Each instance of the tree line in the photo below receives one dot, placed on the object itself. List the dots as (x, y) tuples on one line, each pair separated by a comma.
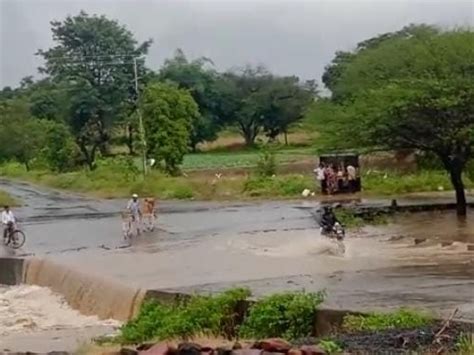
[(408, 89), (88, 97)]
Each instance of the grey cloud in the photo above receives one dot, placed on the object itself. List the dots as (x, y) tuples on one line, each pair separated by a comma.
[(290, 37)]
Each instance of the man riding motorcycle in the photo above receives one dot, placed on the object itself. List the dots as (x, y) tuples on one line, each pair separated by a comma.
[(330, 225)]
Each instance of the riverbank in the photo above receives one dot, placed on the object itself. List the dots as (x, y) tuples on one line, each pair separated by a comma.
[(115, 181)]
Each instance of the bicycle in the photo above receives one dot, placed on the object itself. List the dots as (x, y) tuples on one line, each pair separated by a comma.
[(15, 237), (130, 226)]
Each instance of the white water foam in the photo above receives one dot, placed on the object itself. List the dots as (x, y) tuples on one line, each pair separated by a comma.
[(26, 309)]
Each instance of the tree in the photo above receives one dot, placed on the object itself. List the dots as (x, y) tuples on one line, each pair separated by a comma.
[(60, 149), (335, 70), (21, 136), (94, 56), (200, 79), (168, 116), (417, 93), (288, 100)]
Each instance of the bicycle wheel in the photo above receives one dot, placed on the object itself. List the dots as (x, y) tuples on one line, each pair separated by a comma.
[(17, 239)]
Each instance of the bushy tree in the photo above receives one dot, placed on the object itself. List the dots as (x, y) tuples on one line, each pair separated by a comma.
[(21, 136), (201, 80), (60, 150), (412, 92), (256, 101), (168, 115), (94, 56)]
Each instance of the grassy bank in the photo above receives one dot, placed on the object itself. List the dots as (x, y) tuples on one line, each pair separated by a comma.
[(283, 323), (6, 199), (112, 179)]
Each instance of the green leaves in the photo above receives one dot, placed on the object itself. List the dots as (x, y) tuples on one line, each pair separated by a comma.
[(168, 115), (289, 315)]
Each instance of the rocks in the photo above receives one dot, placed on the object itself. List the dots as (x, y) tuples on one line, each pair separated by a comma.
[(419, 240), (157, 349), (312, 350), (273, 345), (470, 247)]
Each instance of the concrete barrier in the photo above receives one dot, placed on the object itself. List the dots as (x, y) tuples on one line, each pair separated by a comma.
[(11, 271)]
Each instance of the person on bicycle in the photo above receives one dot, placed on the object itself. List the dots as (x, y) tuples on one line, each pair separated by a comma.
[(8, 219), (133, 207)]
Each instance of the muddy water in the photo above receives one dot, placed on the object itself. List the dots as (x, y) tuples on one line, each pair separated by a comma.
[(382, 266), (35, 318), (89, 294)]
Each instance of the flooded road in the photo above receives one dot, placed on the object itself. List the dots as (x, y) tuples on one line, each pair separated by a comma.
[(271, 246)]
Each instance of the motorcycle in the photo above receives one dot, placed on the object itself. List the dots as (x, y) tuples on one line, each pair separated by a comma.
[(336, 232)]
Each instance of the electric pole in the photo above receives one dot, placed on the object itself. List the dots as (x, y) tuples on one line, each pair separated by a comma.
[(140, 119)]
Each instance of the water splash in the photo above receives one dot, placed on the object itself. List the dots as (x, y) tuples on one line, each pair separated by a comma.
[(29, 308)]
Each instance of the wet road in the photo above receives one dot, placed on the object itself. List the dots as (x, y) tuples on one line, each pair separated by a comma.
[(269, 247)]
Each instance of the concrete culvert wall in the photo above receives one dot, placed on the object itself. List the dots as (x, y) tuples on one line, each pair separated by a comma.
[(11, 271), (90, 295)]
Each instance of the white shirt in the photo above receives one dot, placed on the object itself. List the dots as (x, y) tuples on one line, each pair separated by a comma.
[(319, 173), (351, 172), (8, 217), (134, 207)]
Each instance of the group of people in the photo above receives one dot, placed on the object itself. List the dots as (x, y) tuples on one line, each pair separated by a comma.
[(334, 178), (138, 213)]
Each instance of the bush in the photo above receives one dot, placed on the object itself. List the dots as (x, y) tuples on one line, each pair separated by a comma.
[(200, 315), (266, 165), (287, 315), (401, 319), (287, 185), (60, 149)]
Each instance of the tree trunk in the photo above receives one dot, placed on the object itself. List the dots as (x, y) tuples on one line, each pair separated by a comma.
[(456, 179), (88, 156), (130, 139), (286, 137)]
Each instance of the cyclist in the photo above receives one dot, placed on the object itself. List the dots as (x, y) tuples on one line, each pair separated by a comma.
[(133, 207), (8, 219)]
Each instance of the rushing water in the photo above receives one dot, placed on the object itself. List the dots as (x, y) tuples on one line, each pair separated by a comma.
[(29, 309)]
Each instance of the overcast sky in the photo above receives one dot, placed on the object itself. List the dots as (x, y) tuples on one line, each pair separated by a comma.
[(290, 37)]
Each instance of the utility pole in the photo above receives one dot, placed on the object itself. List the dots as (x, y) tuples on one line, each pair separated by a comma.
[(140, 119)]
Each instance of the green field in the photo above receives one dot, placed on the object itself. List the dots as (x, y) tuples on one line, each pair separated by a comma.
[(245, 159)]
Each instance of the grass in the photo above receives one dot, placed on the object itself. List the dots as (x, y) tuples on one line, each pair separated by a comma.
[(116, 178), (400, 319), (6, 199), (392, 183), (465, 344), (241, 159), (350, 220), (288, 315)]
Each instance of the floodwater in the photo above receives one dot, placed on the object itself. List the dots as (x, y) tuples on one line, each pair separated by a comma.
[(32, 317), (268, 247)]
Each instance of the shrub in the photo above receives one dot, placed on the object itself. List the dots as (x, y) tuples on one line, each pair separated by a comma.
[(266, 165), (200, 315), (330, 346), (401, 319), (287, 315), (287, 185)]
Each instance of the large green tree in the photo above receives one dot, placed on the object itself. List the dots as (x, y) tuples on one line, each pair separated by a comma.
[(21, 136), (334, 71), (412, 92), (94, 56), (255, 101), (201, 80), (168, 116)]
